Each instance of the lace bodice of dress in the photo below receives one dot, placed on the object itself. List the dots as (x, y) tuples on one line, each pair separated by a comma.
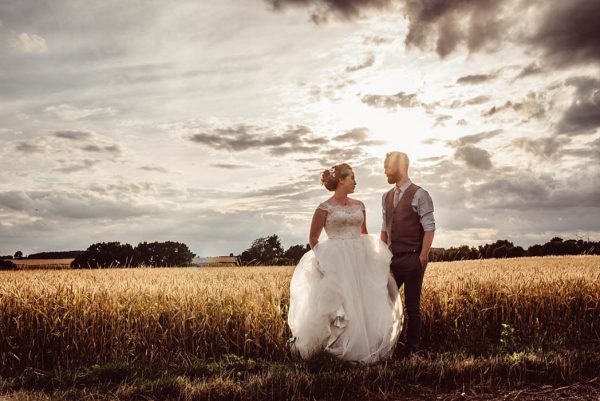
[(343, 221)]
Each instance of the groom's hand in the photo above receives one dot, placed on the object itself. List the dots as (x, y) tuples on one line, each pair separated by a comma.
[(424, 260)]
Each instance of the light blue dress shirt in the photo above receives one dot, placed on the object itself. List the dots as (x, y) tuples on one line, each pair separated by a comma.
[(421, 204)]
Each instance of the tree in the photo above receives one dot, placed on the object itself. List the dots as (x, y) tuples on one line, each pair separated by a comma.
[(263, 251), (163, 254), (105, 254), (7, 265), (18, 255), (294, 253)]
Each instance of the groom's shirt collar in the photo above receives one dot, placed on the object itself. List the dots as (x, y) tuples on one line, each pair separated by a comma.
[(404, 186)]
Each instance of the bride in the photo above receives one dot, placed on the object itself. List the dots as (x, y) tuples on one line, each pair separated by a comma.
[(343, 298)]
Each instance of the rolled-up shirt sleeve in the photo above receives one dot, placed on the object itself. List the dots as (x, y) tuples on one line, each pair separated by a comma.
[(425, 211)]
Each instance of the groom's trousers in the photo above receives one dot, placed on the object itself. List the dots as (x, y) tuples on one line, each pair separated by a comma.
[(407, 271)]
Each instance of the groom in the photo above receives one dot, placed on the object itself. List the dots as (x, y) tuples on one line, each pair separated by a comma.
[(408, 229)]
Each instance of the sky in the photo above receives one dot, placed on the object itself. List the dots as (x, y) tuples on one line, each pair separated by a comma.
[(209, 122)]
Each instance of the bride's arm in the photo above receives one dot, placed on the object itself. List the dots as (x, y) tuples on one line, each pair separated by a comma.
[(318, 222), (363, 226)]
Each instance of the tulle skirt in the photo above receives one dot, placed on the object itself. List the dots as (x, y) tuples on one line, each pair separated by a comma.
[(344, 300)]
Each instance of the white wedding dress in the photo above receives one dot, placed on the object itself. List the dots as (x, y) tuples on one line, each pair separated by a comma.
[(343, 298)]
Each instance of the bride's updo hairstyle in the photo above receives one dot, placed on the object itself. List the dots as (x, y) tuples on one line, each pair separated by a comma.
[(331, 177)]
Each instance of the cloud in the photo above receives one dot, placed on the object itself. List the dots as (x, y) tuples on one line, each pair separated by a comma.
[(68, 112), (475, 157), (29, 147), (377, 40), (111, 149), (529, 193), (229, 166), (69, 166), (583, 116), (568, 32), (359, 136), (243, 137), (85, 149), (531, 69), (476, 100), (474, 138), (31, 44), (565, 32), (541, 147), (366, 63), (158, 169), (531, 106), (475, 79), (449, 23), (75, 205), (321, 10), (73, 135), (440, 120), (400, 99)]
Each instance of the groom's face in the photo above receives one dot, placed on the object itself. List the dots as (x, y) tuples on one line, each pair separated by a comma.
[(392, 172)]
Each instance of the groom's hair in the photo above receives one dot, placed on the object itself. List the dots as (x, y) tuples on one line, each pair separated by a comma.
[(399, 159)]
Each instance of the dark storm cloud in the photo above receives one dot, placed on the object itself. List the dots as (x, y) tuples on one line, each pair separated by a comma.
[(341, 9), (583, 116), (298, 139), (569, 32), (474, 157), (366, 63), (400, 99), (447, 24), (566, 32), (475, 79), (541, 147)]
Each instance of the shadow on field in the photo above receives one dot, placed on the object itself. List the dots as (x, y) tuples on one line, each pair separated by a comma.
[(422, 376)]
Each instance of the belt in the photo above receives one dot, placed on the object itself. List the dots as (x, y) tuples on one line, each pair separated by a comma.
[(405, 253)]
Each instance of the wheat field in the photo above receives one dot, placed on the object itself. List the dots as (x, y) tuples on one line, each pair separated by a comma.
[(63, 320)]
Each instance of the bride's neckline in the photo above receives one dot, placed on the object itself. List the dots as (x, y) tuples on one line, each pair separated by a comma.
[(340, 205)]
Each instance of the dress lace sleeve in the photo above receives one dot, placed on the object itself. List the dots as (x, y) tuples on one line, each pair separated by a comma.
[(323, 206)]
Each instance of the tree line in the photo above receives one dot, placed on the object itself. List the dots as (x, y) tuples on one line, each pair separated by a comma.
[(506, 249), (268, 251), (148, 254)]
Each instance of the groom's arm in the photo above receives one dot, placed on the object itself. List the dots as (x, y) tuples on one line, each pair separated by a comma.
[(427, 241), (425, 211), (383, 236)]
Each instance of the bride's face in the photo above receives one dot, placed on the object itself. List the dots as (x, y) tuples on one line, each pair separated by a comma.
[(348, 183)]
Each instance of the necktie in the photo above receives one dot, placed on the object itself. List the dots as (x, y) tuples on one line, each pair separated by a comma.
[(396, 196)]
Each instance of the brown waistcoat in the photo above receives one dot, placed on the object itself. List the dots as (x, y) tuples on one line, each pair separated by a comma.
[(405, 232)]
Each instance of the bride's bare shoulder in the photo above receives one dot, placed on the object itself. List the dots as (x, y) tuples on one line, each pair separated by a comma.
[(355, 202)]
